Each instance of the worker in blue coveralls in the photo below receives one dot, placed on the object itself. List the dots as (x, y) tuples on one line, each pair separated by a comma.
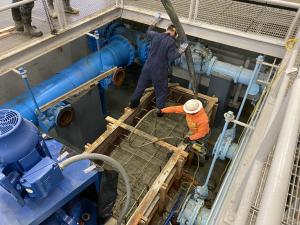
[(162, 53)]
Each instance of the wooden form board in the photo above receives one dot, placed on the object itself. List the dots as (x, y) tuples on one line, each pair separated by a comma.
[(154, 200), (5, 32)]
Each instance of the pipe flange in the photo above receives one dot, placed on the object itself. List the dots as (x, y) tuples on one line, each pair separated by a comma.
[(111, 28), (211, 65), (127, 43)]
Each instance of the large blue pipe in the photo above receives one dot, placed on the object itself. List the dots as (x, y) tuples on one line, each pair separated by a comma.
[(118, 52)]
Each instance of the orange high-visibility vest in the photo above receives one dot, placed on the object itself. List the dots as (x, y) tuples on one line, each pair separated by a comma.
[(197, 123)]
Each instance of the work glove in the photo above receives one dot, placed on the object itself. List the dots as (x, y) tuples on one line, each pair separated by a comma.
[(183, 47), (186, 140), (159, 113), (157, 17)]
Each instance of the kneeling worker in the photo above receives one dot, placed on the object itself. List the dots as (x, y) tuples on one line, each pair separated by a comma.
[(196, 118)]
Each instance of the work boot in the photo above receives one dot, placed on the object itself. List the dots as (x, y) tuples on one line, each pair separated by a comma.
[(32, 30), (69, 9), (134, 103), (19, 26)]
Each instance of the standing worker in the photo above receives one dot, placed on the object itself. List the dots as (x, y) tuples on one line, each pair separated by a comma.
[(23, 18), (162, 53), (196, 118), (67, 7)]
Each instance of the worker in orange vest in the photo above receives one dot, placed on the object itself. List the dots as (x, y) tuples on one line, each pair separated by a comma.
[(196, 118)]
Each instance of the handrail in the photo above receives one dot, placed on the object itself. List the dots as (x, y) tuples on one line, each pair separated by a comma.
[(14, 5)]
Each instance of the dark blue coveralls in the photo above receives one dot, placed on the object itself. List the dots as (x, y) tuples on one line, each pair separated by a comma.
[(162, 53)]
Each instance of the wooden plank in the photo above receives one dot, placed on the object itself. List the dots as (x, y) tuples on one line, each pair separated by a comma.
[(153, 191), (169, 85), (7, 29), (162, 198), (179, 169), (111, 221), (189, 92), (147, 136), (112, 131), (86, 86), (4, 35)]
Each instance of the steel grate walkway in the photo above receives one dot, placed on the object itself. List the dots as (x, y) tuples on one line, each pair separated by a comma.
[(245, 17), (292, 207)]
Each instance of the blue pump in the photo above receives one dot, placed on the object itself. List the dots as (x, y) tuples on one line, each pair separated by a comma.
[(34, 189), (27, 168)]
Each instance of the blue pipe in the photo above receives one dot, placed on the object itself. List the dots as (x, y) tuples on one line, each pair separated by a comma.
[(212, 65), (254, 76), (118, 52), (217, 146)]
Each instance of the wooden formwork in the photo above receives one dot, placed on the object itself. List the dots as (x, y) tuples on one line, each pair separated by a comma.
[(155, 198)]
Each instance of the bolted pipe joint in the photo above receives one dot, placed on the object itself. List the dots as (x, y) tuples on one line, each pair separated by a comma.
[(229, 116)]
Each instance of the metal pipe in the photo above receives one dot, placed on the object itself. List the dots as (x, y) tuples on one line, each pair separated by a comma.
[(277, 185), (292, 27), (279, 3), (228, 118), (243, 124), (23, 73), (253, 78), (118, 52), (283, 81), (14, 5), (59, 9)]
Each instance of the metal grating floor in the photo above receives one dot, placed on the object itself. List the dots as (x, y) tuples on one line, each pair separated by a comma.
[(245, 17), (39, 19), (292, 210)]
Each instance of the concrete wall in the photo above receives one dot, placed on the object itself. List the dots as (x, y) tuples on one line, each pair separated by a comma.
[(11, 85)]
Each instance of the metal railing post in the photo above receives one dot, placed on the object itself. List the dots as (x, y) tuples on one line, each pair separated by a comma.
[(16, 4), (59, 9), (293, 25), (192, 3), (196, 10)]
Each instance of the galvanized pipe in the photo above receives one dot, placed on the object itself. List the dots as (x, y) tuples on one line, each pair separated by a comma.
[(287, 64), (277, 185), (14, 5), (279, 3), (292, 27)]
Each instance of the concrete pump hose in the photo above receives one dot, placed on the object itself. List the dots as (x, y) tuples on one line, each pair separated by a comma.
[(114, 164)]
